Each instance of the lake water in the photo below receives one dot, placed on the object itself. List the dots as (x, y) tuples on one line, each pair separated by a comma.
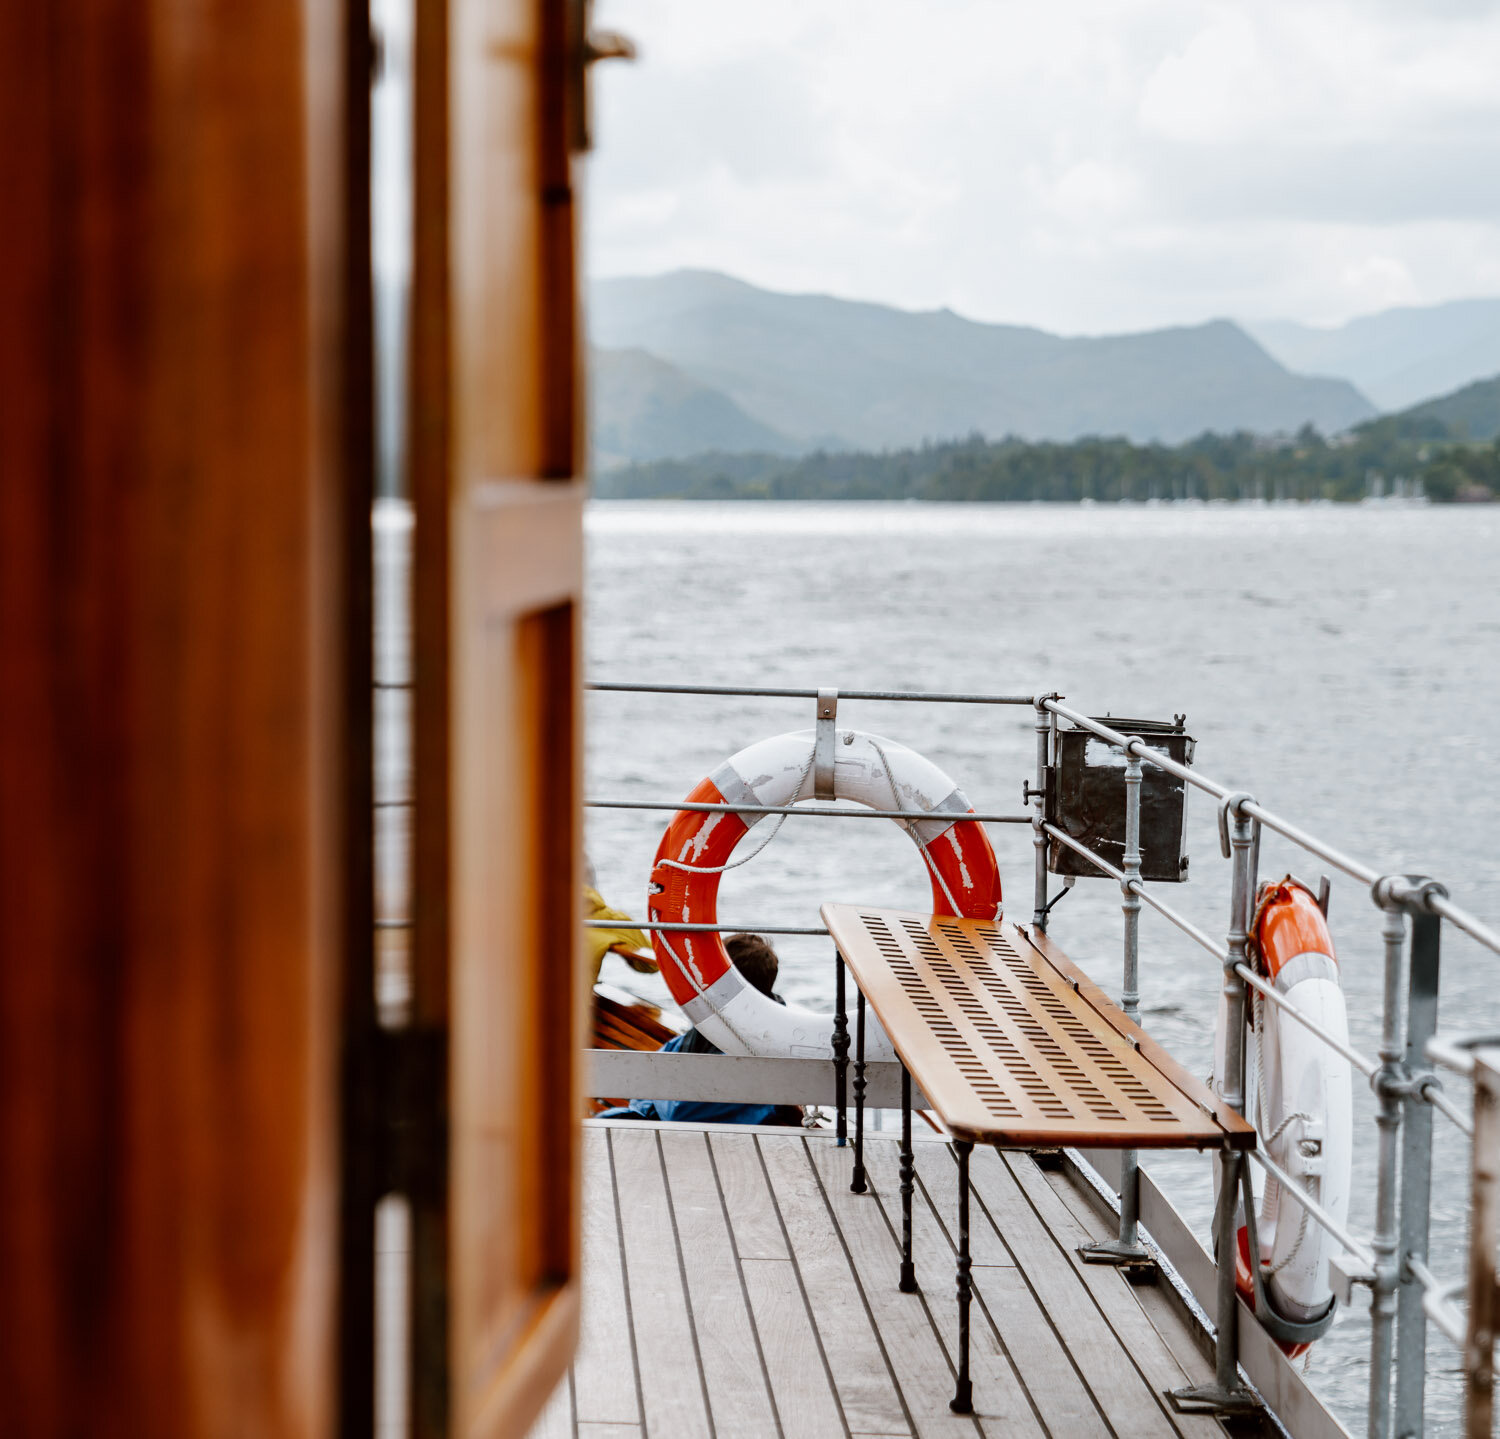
[(1338, 662)]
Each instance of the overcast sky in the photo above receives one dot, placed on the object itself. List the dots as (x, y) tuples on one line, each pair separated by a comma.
[(1083, 165)]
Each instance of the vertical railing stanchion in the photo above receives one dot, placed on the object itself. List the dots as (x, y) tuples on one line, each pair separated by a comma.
[(1389, 1088), (1484, 1222), (840, 1052), (1038, 796), (1130, 996), (857, 1183), (1226, 1394), (1416, 1174), (1126, 1249)]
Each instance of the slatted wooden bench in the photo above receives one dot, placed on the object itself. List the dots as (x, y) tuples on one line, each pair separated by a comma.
[(1013, 1046)]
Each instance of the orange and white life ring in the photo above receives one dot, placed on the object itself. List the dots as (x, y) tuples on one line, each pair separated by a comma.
[(696, 849), (1300, 1093)]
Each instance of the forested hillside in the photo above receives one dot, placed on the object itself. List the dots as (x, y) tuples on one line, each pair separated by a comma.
[(1392, 455)]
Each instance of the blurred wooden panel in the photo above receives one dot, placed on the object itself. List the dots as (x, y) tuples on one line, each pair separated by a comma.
[(175, 741), (495, 404)]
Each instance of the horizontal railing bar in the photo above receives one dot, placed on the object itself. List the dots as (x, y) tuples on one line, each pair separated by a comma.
[(1271, 820), (1366, 1067), (1456, 1051), (700, 928), (1190, 929), (1336, 857), (1462, 919), (1432, 1092), (1102, 865), (1314, 1209), (1139, 888), (1436, 1297), (1145, 752), (764, 692), (707, 807)]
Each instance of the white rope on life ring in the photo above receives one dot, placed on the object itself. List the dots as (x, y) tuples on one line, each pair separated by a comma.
[(697, 848), (1300, 1094)]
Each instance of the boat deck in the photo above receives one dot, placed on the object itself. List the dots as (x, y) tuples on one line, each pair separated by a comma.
[(735, 1287)]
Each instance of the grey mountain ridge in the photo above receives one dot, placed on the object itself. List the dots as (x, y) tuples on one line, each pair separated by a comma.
[(1398, 357), (817, 372)]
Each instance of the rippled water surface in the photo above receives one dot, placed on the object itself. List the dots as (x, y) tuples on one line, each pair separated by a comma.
[(1341, 663)]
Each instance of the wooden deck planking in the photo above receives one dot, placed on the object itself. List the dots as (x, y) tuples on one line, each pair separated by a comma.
[(750, 1271), (605, 1386), (855, 1354), (666, 1338), (1120, 1303), (1190, 1350), (805, 1399), (729, 1351), (1099, 1356), (920, 1357), (747, 1198), (1001, 1399), (795, 1367)]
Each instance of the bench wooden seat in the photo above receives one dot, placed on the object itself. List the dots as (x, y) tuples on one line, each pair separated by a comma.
[(1015, 1046)]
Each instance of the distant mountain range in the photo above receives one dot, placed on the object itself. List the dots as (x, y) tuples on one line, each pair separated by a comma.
[(1398, 357), (695, 361), (1471, 414)]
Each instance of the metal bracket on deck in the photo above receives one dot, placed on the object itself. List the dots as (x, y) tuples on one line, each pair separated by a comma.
[(825, 738), (1134, 1261), (1211, 1399)]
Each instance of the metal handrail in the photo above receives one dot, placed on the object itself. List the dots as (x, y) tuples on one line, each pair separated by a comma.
[(822, 811), (1436, 1299), (666, 928), (1139, 887), (942, 697), (1366, 1067), (1133, 745), (1460, 918), (1456, 1052), (1475, 928)]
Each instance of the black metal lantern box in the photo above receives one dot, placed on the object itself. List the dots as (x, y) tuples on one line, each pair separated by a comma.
[(1086, 797)]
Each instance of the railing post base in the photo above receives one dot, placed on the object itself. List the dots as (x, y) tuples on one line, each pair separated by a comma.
[(1214, 1399), (1134, 1261)]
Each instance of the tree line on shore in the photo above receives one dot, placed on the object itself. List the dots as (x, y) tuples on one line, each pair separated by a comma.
[(1395, 455)]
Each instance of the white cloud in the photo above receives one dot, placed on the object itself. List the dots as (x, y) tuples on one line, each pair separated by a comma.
[(1085, 165)]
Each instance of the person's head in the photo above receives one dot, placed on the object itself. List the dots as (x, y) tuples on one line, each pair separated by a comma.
[(755, 960)]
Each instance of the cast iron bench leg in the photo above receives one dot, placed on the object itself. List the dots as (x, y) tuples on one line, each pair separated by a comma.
[(963, 1394), (908, 1169), (840, 1051), (857, 1184)]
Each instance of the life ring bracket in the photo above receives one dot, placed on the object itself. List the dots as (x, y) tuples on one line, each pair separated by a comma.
[(1280, 1328)]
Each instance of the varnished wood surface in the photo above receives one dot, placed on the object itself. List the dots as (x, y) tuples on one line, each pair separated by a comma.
[(495, 417), (1013, 1046), (734, 1285), (182, 412)]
